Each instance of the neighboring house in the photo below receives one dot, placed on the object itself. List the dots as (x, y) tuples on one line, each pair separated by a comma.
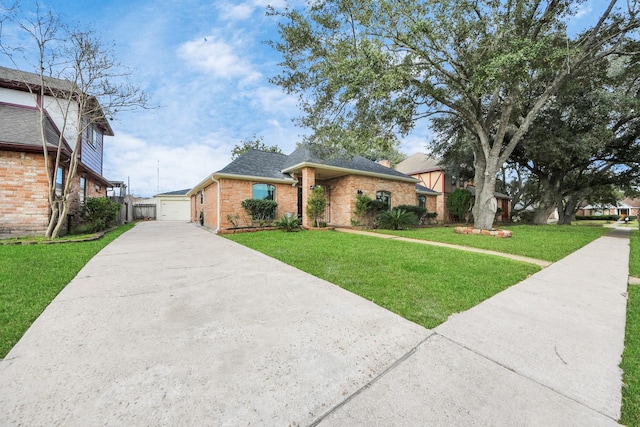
[(173, 206), (289, 180), (24, 206), (626, 207), (432, 175)]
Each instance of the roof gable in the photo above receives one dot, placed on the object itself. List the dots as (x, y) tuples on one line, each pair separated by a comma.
[(419, 162)]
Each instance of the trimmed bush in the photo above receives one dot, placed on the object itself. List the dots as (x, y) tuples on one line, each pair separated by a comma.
[(98, 213), (260, 209)]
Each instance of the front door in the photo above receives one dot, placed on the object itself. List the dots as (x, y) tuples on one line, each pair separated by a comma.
[(300, 203)]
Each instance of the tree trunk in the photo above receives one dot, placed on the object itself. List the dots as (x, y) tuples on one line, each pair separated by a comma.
[(484, 207)]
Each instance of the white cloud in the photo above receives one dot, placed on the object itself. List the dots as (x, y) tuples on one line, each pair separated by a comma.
[(218, 57), (152, 168), (241, 11)]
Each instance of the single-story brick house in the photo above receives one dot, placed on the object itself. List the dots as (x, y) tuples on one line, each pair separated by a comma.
[(290, 179), (24, 206)]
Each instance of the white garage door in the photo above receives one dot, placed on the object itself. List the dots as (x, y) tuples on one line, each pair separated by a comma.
[(175, 210)]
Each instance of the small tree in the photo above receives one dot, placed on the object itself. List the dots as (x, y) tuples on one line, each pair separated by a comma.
[(460, 203), (316, 204), (257, 143)]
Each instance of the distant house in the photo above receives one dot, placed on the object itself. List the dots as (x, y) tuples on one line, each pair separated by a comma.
[(173, 206), (432, 176), (289, 180), (24, 207), (626, 207)]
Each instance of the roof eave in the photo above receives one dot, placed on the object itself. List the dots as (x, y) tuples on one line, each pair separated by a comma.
[(349, 171)]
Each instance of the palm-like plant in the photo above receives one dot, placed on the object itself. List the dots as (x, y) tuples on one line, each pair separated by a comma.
[(396, 219)]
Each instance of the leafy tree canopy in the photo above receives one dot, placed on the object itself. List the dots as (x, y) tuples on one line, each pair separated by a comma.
[(368, 72), (256, 143)]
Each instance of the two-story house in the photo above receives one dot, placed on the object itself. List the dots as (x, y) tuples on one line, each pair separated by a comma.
[(433, 176), (24, 205)]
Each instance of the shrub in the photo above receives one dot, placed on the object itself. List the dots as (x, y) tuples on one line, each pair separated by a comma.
[(98, 213), (460, 203), (316, 204), (288, 223), (396, 219), (260, 209)]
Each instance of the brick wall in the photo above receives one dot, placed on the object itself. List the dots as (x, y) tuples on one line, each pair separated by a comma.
[(24, 208), (343, 191)]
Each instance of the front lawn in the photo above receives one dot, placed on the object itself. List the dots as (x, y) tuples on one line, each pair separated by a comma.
[(631, 357), (32, 275), (545, 242), (422, 283)]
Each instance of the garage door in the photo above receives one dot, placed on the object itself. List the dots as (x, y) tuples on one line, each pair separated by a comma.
[(175, 210)]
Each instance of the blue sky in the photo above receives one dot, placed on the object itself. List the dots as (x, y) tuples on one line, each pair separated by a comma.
[(206, 66)]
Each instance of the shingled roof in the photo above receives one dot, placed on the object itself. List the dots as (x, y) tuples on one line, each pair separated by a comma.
[(419, 162), (20, 128), (304, 156), (255, 163)]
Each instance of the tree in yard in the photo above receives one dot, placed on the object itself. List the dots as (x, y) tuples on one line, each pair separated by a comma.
[(257, 143), (460, 203), (585, 145), (316, 205), (370, 71), (77, 80)]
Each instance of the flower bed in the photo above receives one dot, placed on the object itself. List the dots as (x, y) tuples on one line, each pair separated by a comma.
[(495, 232)]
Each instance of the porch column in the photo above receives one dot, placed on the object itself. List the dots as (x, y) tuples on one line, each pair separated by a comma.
[(308, 180)]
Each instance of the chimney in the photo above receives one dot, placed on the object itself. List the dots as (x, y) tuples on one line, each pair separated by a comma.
[(386, 163)]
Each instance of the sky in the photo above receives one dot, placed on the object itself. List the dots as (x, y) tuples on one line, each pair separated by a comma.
[(205, 66)]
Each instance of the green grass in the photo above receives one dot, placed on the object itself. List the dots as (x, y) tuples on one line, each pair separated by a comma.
[(424, 284), (32, 275), (631, 357), (545, 242), (634, 254)]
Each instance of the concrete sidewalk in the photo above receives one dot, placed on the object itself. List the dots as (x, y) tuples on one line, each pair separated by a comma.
[(171, 325)]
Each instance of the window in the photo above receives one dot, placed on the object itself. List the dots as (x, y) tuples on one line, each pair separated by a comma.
[(202, 197), (264, 192), (422, 201), (385, 197), (83, 189), (59, 181)]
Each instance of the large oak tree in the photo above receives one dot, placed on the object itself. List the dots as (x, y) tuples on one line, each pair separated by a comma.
[(369, 71)]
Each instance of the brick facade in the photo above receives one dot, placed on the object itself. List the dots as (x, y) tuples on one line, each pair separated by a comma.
[(341, 197), (24, 205)]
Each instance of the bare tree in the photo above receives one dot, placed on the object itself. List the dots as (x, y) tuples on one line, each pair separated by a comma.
[(75, 78)]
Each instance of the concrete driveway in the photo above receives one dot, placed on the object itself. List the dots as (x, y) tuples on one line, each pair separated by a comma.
[(172, 325)]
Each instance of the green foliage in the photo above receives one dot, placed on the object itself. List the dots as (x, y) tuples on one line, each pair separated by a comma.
[(32, 275), (367, 71), (316, 204), (288, 223), (366, 210), (396, 219), (460, 203), (260, 209), (256, 143), (98, 213)]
